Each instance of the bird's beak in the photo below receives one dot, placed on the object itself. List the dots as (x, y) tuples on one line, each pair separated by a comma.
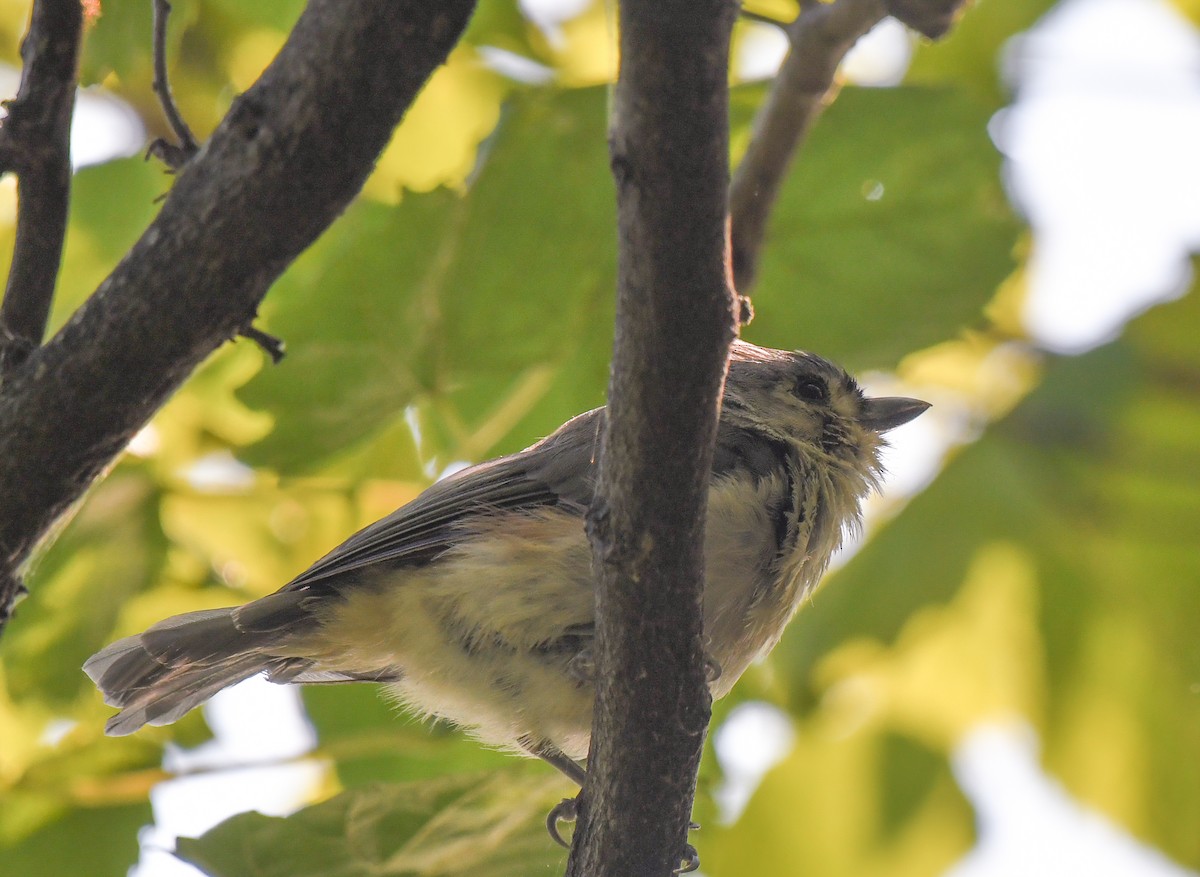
[(888, 412)]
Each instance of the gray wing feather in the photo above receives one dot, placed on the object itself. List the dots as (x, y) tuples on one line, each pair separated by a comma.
[(160, 674), (558, 471)]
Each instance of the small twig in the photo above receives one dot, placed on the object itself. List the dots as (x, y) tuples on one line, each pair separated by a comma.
[(820, 37), (14, 591), (763, 19), (35, 142), (272, 346), (930, 18), (174, 156)]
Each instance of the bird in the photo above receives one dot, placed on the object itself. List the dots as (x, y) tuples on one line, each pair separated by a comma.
[(475, 602)]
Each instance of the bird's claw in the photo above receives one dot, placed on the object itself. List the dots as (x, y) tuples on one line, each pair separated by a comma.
[(690, 861), (582, 668), (565, 810)]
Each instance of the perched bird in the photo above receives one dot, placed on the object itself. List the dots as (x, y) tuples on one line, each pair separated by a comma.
[(474, 602)]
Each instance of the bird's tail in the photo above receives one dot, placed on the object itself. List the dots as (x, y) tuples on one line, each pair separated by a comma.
[(158, 675)]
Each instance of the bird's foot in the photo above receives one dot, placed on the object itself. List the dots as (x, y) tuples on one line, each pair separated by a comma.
[(565, 810), (582, 667), (712, 669), (690, 860)]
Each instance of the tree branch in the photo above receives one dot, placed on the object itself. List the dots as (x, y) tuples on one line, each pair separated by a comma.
[(676, 319), (174, 156), (269, 344), (35, 141), (820, 37), (929, 18), (287, 159)]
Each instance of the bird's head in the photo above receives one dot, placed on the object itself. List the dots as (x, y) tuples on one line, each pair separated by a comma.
[(813, 405)]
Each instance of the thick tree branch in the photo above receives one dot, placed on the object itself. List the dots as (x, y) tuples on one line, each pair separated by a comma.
[(676, 318), (820, 38), (35, 141), (287, 159)]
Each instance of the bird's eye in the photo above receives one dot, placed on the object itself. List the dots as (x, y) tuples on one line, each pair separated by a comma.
[(811, 390)]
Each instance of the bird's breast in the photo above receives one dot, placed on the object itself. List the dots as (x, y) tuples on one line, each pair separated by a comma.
[(742, 568)]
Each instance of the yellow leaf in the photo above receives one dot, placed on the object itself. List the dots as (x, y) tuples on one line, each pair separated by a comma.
[(952, 666), (436, 143)]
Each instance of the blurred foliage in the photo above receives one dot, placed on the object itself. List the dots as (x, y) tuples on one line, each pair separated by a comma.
[(1084, 499), (972, 56), (492, 825), (462, 308)]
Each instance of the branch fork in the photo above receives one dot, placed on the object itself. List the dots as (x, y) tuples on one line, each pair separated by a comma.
[(174, 156)]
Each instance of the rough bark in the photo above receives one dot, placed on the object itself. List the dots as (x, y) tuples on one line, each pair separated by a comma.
[(287, 159), (676, 318)]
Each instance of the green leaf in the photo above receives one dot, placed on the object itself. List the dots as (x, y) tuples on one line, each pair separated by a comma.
[(909, 772), (278, 14), (489, 825), (491, 312), (111, 205), (890, 234), (112, 550), (119, 40), (824, 810), (353, 313), (486, 307), (1096, 479), (370, 739), (100, 841)]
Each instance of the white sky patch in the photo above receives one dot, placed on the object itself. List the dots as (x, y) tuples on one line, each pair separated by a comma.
[(548, 16), (761, 51), (56, 730), (1030, 826), (104, 126), (542, 12), (880, 58), (219, 471), (515, 67), (146, 442), (254, 723), (753, 739), (1101, 147)]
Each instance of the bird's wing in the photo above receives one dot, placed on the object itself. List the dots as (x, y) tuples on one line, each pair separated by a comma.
[(557, 472)]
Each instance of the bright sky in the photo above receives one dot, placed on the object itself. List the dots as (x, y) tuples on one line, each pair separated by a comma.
[(1101, 149)]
